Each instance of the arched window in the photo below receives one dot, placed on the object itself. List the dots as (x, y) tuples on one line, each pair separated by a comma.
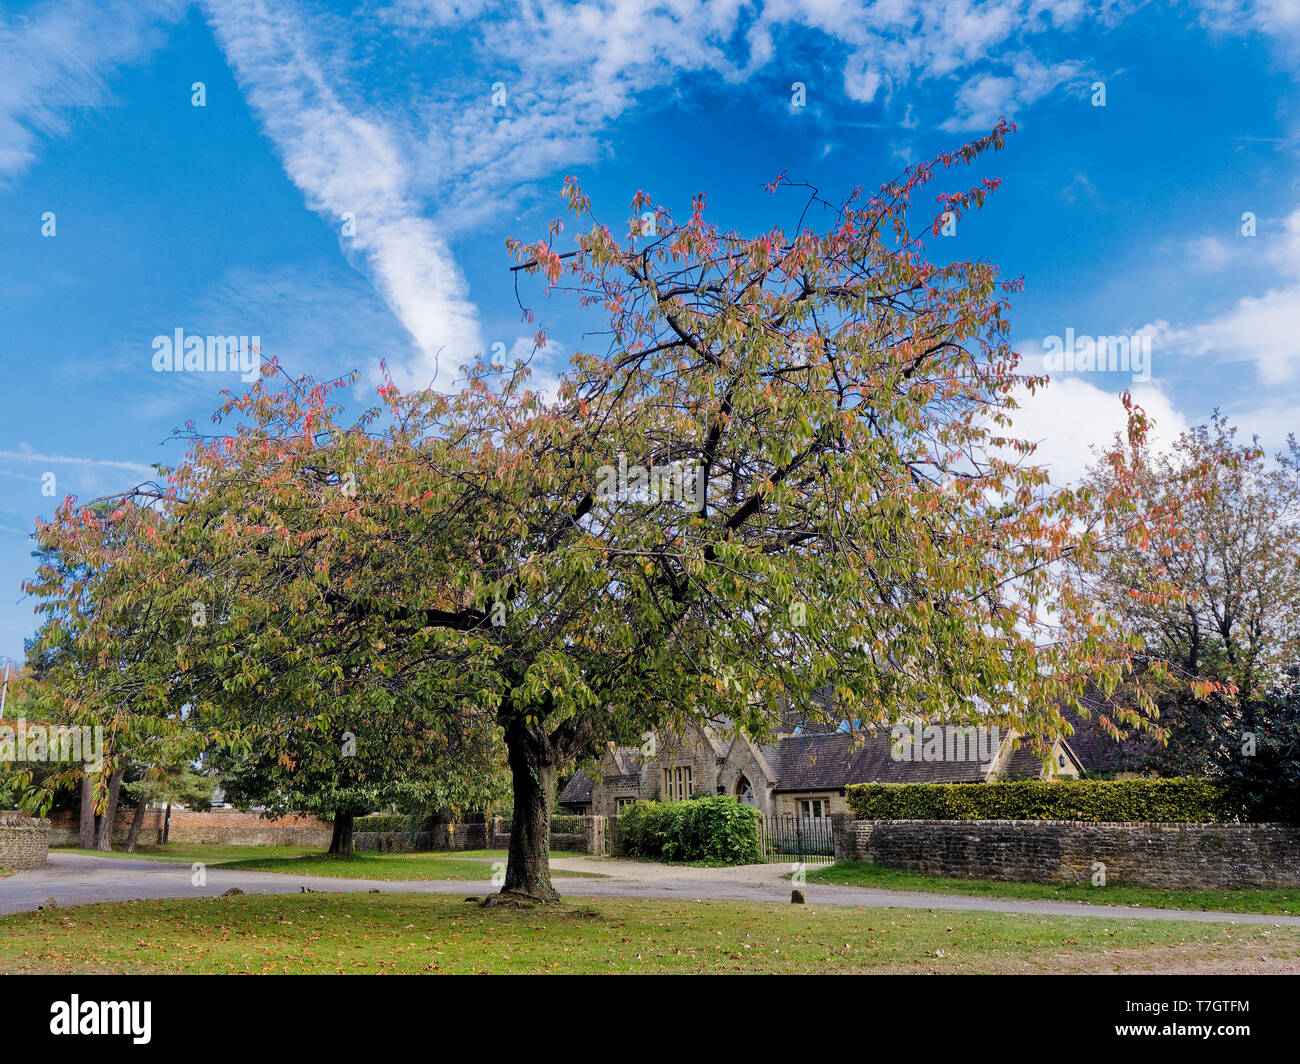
[(744, 791)]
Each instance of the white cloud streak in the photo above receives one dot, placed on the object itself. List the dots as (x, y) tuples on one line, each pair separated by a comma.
[(345, 162)]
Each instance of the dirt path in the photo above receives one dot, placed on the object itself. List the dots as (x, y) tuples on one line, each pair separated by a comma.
[(76, 879)]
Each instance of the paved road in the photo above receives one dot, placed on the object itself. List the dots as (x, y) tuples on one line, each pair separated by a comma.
[(76, 879)]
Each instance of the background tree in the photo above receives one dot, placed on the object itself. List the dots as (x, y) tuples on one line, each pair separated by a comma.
[(841, 407), (348, 764), (105, 653), (1222, 526)]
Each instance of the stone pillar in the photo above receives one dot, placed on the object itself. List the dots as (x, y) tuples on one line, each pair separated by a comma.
[(846, 842), (594, 833), (24, 841)]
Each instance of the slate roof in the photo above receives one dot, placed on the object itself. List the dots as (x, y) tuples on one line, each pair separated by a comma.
[(828, 762), (820, 717), (1024, 763), (577, 790), (627, 759), (1097, 750)]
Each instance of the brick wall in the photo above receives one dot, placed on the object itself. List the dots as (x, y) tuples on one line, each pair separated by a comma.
[(1226, 856), (222, 827), (24, 841)]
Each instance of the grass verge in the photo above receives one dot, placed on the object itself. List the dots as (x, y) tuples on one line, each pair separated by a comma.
[(861, 874), (392, 933)]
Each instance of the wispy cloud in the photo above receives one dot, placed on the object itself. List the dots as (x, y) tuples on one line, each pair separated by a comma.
[(27, 454), (56, 59), (347, 163)]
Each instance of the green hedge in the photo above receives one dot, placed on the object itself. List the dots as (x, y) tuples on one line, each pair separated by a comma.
[(718, 829), (1115, 801)]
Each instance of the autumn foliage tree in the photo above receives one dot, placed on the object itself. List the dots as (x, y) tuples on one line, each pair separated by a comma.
[(824, 491), (1212, 590)]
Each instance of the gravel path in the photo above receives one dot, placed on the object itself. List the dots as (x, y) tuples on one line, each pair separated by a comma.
[(76, 879)]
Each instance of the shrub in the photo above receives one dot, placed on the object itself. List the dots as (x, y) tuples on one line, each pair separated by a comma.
[(718, 829), (1113, 801)]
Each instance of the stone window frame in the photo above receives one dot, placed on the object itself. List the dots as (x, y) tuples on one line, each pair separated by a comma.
[(678, 783), (824, 804)]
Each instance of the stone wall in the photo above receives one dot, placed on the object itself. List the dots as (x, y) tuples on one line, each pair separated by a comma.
[(221, 827), (440, 837), (494, 835), (1226, 856), (24, 841)]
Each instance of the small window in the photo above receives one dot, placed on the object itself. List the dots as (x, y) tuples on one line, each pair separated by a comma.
[(622, 803), (813, 809)]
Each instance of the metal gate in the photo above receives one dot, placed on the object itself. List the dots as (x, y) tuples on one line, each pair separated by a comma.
[(798, 839)]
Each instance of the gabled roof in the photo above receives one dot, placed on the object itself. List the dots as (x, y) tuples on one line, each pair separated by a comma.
[(1026, 763), (577, 791), (1098, 750), (820, 717)]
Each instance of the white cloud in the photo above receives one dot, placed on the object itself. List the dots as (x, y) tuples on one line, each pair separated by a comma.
[(1208, 253), (345, 162), (982, 100), (1264, 330), (1259, 329), (573, 69), (26, 454), (1277, 18), (1073, 418)]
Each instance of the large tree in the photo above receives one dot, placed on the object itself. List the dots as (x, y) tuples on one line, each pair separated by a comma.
[(789, 465)]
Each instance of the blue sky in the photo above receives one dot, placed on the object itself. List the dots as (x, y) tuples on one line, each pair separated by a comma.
[(228, 218)]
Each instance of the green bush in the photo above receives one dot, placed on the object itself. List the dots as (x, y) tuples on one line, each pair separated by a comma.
[(1112, 801), (718, 829)]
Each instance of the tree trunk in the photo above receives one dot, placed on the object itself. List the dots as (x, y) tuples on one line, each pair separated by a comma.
[(136, 821), (532, 770), (341, 843), (167, 823), (86, 823), (110, 811)]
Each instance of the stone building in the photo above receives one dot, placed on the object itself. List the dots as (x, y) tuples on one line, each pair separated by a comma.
[(803, 772)]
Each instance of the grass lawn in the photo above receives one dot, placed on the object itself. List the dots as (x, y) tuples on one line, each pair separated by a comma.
[(309, 861), (337, 933), (861, 874)]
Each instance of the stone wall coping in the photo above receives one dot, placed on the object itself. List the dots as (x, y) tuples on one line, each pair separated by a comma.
[(1255, 825), (21, 820)]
